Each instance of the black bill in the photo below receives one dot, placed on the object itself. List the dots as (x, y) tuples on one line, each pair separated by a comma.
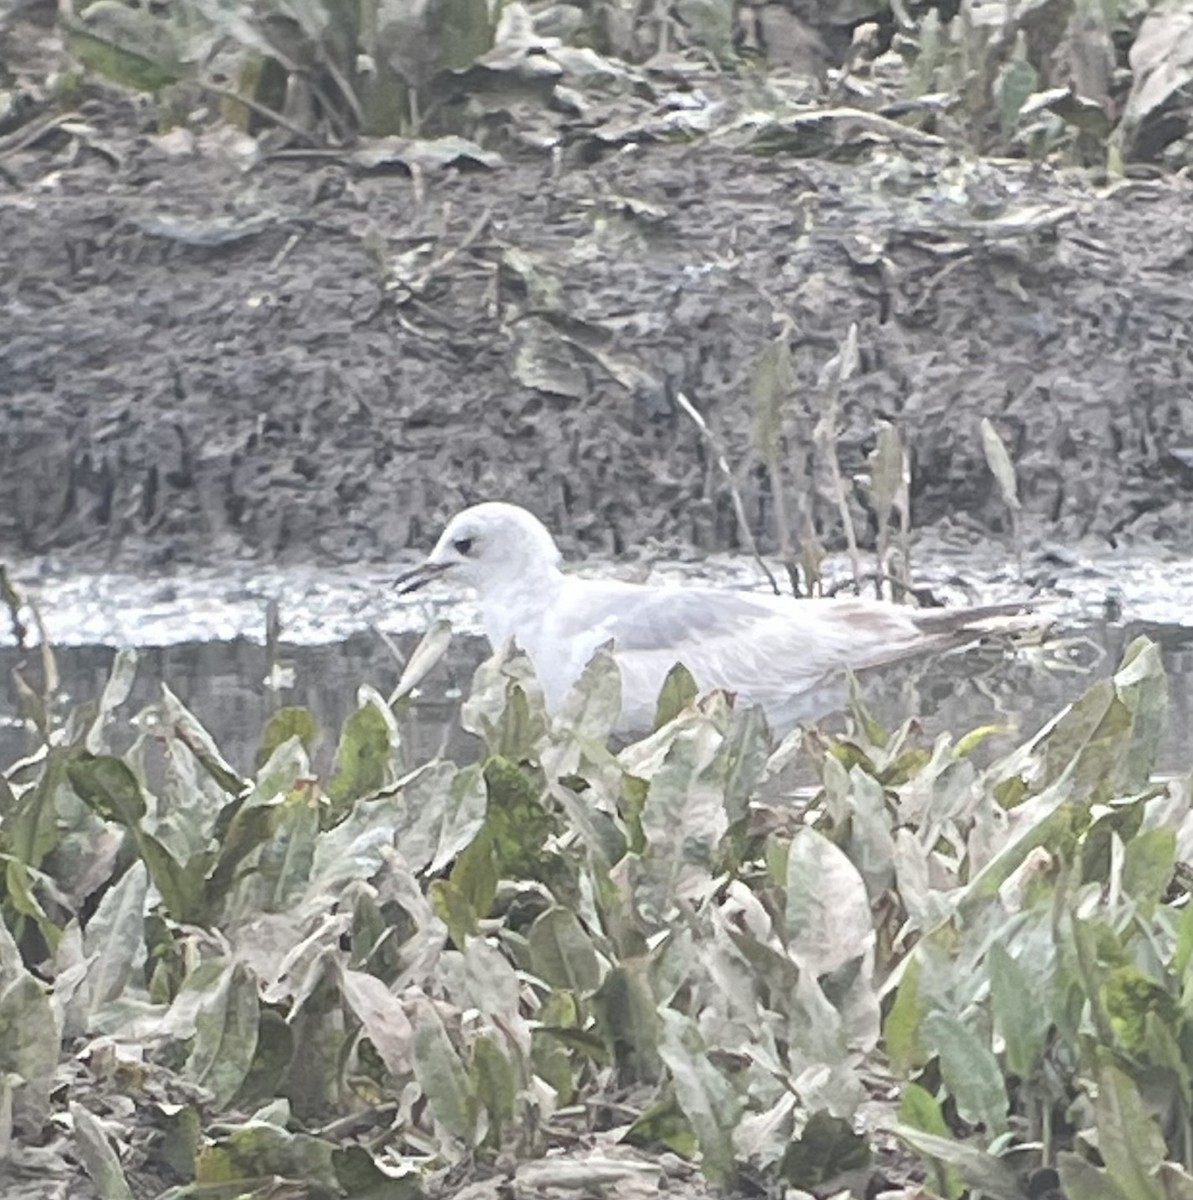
[(411, 581)]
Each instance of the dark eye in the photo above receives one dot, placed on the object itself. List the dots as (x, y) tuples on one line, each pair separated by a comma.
[(463, 545)]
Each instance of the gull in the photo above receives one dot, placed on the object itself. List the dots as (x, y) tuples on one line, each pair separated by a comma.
[(787, 655)]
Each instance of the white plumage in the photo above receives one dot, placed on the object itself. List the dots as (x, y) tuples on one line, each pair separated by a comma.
[(781, 653)]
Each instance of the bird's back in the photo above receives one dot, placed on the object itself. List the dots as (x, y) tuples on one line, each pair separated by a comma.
[(774, 651)]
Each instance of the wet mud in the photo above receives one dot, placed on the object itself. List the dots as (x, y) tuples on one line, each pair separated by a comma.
[(306, 362)]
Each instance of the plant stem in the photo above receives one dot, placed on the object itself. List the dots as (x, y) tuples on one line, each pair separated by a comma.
[(723, 466)]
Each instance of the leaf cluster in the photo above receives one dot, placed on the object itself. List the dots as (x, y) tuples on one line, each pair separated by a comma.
[(775, 961)]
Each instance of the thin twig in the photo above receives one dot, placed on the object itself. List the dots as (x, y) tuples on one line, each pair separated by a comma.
[(905, 523), (842, 499), (292, 68), (890, 483), (774, 380), (782, 524), (469, 239), (346, 90), (723, 465), (11, 599), (392, 646), (281, 256), (923, 596), (803, 501), (261, 110), (826, 435), (34, 131)]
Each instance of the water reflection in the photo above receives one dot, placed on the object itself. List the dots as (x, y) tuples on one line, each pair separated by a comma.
[(224, 684)]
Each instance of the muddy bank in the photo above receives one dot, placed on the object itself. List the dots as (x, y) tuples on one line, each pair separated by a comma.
[(304, 362)]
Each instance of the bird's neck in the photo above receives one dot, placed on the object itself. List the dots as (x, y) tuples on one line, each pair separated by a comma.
[(516, 605)]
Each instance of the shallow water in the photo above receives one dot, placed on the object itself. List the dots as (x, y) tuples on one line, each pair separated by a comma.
[(204, 635)]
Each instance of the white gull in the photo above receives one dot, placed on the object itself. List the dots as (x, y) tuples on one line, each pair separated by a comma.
[(781, 653)]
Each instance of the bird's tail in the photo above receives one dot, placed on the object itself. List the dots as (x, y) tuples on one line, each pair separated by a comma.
[(953, 626)]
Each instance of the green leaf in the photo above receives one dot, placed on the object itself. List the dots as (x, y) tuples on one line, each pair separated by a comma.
[(132, 47), (1142, 687), (28, 1038), (430, 649), (1089, 741), (827, 1147), (286, 723), (967, 743), (552, 1063), (19, 882), (226, 1028), (250, 828), (99, 1158), (496, 1083), (628, 1020), (518, 823), (181, 884), (562, 953), (286, 863), (902, 1029), (362, 757), (1056, 812), (107, 786), (1148, 864), (919, 1109), (870, 845), (1162, 1049), (442, 1076), (593, 705), (744, 752), (874, 733), (361, 1176), (678, 691), (114, 935), (1080, 1178), (982, 1171), (827, 915), (382, 1018), (29, 830), (271, 1060), (970, 1072), (705, 1095), (181, 1137), (1183, 951), (191, 733), (116, 692), (1019, 1012), (505, 707), (1129, 1140), (474, 874), (1129, 997), (683, 818), (461, 816), (465, 33), (257, 1150), (664, 1124), (452, 908)]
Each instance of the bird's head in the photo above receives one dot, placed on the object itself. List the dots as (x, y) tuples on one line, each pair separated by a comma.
[(489, 547)]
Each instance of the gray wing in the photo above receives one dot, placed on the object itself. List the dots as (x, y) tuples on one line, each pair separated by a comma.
[(764, 647), (770, 650), (661, 618)]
